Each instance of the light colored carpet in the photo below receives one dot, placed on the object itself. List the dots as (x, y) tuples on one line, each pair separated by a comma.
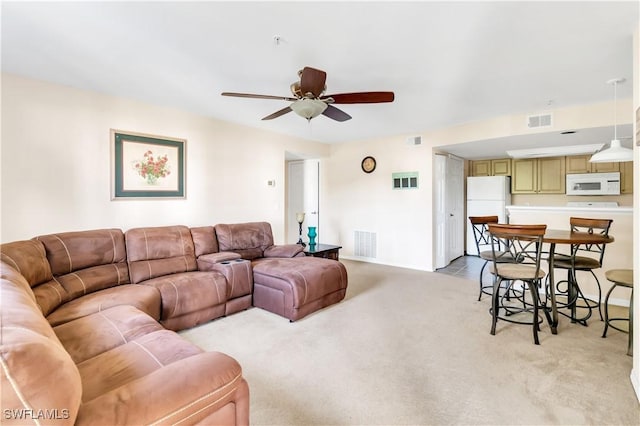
[(412, 347)]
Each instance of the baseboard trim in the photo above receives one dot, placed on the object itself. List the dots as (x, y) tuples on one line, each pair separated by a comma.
[(377, 262)]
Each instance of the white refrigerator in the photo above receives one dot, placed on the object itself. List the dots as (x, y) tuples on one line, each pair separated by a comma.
[(486, 196)]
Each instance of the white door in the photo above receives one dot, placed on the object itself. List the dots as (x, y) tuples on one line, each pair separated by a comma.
[(439, 208), (455, 207), (449, 209), (302, 197)]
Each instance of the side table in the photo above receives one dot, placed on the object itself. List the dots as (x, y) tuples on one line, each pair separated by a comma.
[(327, 251)]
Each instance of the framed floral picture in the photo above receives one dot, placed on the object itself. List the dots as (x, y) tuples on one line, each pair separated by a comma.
[(147, 166)]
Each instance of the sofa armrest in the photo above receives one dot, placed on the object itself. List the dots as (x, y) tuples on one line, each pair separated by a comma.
[(221, 256), (188, 390), (207, 262), (284, 250)]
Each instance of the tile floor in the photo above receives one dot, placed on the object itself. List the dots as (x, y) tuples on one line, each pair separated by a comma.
[(465, 266)]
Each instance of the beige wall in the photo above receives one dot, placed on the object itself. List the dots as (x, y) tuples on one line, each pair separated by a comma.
[(56, 169), (56, 172), (358, 201), (574, 117), (635, 373)]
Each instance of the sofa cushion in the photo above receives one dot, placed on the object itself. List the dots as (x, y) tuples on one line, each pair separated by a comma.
[(146, 299), (138, 383), (32, 358), (29, 258), (82, 263), (204, 240), (304, 279), (284, 250), (190, 292), (88, 280), (157, 251), (249, 239), (70, 251), (94, 334)]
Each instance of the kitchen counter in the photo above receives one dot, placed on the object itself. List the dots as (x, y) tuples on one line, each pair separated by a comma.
[(571, 209), (617, 255)]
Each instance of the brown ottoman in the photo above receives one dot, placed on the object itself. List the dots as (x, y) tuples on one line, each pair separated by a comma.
[(295, 287)]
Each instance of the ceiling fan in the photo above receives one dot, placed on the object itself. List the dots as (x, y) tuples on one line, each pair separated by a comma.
[(309, 99)]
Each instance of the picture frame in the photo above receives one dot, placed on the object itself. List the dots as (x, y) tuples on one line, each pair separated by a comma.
[(147, 166)]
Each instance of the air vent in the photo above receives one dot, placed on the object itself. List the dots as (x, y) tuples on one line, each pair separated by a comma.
[(415, 140), (539, 120), (364, 244)]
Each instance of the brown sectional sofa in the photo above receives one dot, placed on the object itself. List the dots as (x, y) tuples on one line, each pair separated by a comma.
[(285, 281), (164, 259), (87, 318)]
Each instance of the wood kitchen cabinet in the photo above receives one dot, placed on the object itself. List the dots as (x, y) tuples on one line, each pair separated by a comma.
[(548, 175), (605, 167), (501, 167), (538, 176), (626, 177), (578, 164), (497, 167), (481, 168), (581, 164)]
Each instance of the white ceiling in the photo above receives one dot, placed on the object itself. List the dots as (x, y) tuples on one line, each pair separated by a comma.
[(447, 62)]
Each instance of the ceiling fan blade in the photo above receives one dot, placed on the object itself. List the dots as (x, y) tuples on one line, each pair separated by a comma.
[(277, 114), (250, 95), (336, 114), (312, 81), (362, 97)]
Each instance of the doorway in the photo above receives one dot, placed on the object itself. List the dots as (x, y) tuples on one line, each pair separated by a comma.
[(449, 208), (303, 179)]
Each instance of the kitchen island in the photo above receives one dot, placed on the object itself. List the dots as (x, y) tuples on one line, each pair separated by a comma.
[(618, 255)]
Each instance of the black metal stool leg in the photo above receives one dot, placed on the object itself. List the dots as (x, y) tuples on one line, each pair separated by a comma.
[(481, 274), (630, 344), (495, 304)]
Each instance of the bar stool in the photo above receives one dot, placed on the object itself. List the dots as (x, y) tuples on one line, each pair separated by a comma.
[(524, 243), (623, 278), (584, 257), (479, 225)]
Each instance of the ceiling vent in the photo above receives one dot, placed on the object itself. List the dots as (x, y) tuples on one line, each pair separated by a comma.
[(540, 120), (415, 140)]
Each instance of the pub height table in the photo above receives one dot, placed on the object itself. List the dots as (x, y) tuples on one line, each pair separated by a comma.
[(558, 236)]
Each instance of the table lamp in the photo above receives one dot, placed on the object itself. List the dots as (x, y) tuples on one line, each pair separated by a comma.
[(300, 219)]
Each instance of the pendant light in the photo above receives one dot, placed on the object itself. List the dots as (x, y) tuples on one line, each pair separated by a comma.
[(615, 153)]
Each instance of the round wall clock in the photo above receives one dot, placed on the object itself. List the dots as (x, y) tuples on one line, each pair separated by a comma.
[(368, 164)]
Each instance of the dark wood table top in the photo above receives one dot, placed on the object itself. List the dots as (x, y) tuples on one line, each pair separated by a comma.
[(565, 236), (319, 248)]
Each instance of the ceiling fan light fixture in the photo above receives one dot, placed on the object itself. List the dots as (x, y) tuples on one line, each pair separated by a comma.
[(308, 108), (615, 153)]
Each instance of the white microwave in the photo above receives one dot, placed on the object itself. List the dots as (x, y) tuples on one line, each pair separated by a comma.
[(593, 184)]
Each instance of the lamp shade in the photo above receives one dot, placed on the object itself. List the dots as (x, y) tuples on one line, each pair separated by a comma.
[(615, 153), (308, 108)]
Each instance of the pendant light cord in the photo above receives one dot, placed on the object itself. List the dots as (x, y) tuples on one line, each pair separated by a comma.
[(615, 110)]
